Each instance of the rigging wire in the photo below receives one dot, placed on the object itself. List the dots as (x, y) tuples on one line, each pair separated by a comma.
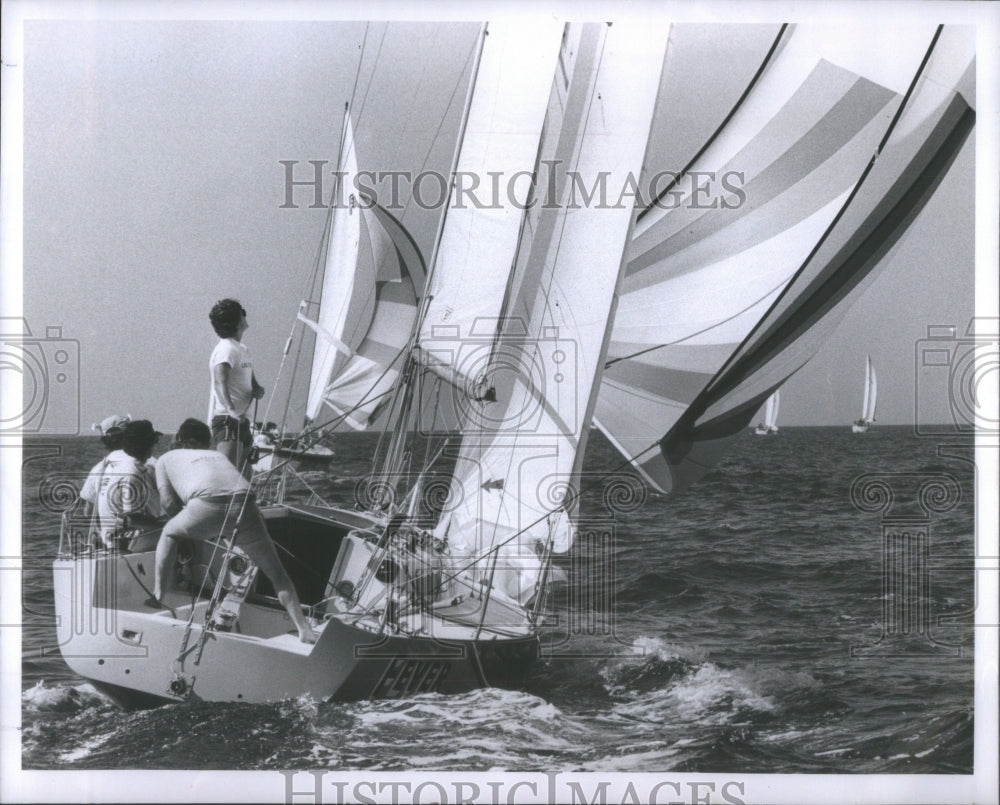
[(401, 394)]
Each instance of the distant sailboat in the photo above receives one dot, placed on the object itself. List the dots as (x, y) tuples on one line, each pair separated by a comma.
[(770, 423), (868, 406)]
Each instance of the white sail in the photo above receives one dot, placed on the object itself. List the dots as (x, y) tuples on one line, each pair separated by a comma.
[(520, 454), (869, 399), (487, 202), (373, 275), (715, 290), (769, 424), (871, 392), (867, 389)]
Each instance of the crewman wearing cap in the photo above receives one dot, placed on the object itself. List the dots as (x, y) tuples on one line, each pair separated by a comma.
[(110, 428), (123, 486)]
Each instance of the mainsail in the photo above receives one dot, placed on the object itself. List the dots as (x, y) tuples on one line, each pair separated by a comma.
[(722, 302), (373, 276), (520, 455)]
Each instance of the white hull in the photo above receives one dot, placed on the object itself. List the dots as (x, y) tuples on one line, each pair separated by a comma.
[(860, 427), (764, 430), (292, 447), (141, 656), (316, 453)]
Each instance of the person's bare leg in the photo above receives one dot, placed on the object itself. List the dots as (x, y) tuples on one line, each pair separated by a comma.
[(163, 574), (290, 601), (266, 558)]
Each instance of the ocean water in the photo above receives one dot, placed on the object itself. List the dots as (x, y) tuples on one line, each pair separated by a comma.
[(741, 626)]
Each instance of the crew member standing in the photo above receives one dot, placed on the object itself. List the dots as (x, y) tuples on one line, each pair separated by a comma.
[(234, 386)]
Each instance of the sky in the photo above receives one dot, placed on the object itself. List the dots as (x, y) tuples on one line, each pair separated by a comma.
[(153, 185)]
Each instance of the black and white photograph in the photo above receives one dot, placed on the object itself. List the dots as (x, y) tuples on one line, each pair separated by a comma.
[(500, 403)]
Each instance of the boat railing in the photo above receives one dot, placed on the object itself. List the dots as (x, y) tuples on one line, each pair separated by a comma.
[(75, 536), (79, 537), (495, 555)]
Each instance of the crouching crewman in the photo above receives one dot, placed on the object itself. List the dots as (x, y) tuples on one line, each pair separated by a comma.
[(208, 498)]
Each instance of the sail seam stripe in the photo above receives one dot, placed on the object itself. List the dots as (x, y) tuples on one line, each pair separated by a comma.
[(725, 122)]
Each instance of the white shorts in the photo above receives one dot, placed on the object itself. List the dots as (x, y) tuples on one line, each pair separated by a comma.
[(214, 518)]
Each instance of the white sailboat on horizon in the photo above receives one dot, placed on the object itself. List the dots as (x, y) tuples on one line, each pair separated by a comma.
[(770, 423), (868, 402)]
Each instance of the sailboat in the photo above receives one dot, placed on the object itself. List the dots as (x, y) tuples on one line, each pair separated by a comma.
[(770, 423), (870, 397), (688, 319), (401, 604), (307, 447)]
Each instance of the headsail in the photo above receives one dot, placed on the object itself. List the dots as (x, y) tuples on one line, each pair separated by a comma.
[(483, 219), (769, 424), (702, 277), (519, 455), (373, 277)]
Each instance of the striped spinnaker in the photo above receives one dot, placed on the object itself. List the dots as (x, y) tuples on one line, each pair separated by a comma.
[(714, 295)]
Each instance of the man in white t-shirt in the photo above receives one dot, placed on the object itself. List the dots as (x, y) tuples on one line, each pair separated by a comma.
[(209, 499), (111, 429), (122, 488), (234, 386)]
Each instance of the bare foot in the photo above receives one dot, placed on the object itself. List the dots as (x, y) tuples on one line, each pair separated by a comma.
[(307, 635), (155, 603)]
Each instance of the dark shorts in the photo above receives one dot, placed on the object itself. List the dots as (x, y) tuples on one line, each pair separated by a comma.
[(228, 429)]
